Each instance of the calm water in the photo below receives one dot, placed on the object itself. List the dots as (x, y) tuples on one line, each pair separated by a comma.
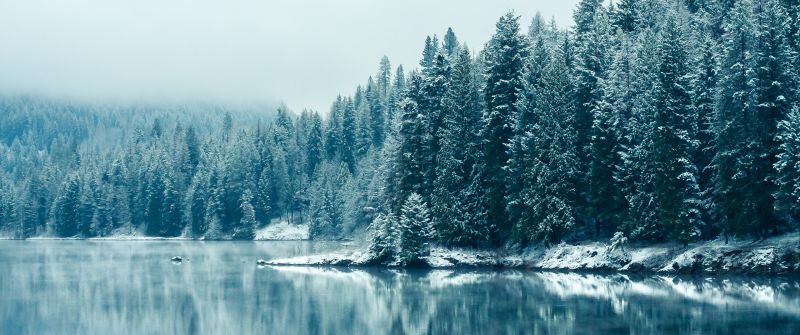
[(83, 287)]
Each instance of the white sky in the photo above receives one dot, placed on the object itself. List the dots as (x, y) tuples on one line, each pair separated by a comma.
[(301, 52)]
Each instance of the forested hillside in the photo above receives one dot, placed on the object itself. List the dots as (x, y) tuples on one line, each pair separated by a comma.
[(664, 120)]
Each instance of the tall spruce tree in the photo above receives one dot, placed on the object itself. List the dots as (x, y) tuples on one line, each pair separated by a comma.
[(676, 192), (505, 60), (548, 192), (704, 87), (603, 144), (734, 110), (456, 210), (773, 86), (411, 157), (787, 196)]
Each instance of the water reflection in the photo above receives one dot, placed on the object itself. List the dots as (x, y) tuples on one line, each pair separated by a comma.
[(75, 287)]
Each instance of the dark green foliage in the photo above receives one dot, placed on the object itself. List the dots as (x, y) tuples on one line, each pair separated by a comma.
[(505, 60), (665, 121), (326, 209), (676, 192), (459, 207), (415, 231)]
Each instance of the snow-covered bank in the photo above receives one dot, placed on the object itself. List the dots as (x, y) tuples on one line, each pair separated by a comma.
[(778, 255), (282, 231), (113, 238)]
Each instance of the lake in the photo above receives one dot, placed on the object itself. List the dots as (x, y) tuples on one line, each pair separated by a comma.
[(132, 287)]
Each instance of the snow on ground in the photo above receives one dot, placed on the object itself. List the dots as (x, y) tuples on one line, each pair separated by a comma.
[(282, 231), (340, 258), (138, 238), (772, 256), (591, 256)]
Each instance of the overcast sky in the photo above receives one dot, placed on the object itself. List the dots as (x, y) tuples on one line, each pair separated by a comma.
[(301, 52)]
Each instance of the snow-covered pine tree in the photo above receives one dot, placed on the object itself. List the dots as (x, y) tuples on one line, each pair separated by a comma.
[(617, 105), (505, 59), (676, 192), (635, 174), (333, 131), (416, 231), (384, 77), (460, 148), (704, 86), (314, 145), (774, 86), (787, 196), (521, 149), (377, 115), (591, 57), (626, 17), (8, 206), (584, 15), (364, 133), (171, 210), (382, 235), (154, 196), (604, 197), (411, 165), (66, 206), (753, 89), (548, 193), (347, 149), (196, 198), (537, 27), (450, 43), (734, 107), (430, 100), (245, 229), (326, 209)]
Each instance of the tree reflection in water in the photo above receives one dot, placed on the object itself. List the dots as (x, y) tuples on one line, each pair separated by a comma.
[(132, 287)]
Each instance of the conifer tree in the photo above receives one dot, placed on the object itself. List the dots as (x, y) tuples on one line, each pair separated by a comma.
[(774, 83), (505, 59), (521, 148), (416, 231), (592, 142), (347, 150), (171, 212), (450, 43), (675, 183), (245, 230), (458, 159), (548, 184), (704, 86), (66, 208), (635, 175), (626, 16), (603, 143), (314, 145), (384, 77), (787, 196), (383, 237), (412, 160)]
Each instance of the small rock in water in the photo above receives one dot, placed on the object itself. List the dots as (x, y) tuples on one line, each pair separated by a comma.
[(261, 262), (177, 259)]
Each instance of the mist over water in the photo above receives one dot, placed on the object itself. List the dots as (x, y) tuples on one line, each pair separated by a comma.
[(79, 287)]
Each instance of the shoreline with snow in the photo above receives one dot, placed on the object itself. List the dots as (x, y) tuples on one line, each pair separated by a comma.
[(283, 231), (276, 231), (777, 255)]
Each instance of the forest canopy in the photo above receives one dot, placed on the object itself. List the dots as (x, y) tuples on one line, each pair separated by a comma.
[(665, 120)]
